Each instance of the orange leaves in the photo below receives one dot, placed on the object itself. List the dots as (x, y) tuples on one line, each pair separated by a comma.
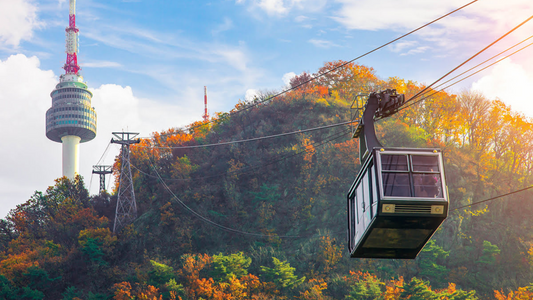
[(193, 264), (124, 291), (196, 286), (393, 289), (329, 253), (15, 265), (523, 293), (315, 291)]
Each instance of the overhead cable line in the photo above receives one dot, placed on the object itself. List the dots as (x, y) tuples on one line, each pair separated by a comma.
[(248, 170), (493, 57), (469, 59), (202, 218), (494, 198), (251, 139), (337, 67), (466, 77), (101, 157)]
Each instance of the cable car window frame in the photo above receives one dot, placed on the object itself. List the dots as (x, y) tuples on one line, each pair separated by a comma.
[(410, 172)]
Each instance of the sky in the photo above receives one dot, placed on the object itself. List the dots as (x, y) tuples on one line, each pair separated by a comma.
[(147, 62)]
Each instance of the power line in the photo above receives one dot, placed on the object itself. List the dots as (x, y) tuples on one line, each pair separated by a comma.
[(252, 139), (101, 157), (494, 198), (466, 77), (208, 220), (493, 57), (337, 67), (250, 168), (469, 59)]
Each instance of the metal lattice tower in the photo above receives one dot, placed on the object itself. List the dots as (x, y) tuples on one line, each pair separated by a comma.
[(126, 210), (102, 171)]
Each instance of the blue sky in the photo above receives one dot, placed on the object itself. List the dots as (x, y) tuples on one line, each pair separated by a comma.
[(147, 62)]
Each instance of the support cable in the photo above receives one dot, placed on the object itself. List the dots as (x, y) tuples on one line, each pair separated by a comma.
[(337, 67), (469, 59), (494, 198), (208, 221), (464, 78), (248, 170), (251, 139), (101, 157)]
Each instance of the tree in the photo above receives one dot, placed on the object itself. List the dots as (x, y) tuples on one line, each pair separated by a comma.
[(232, 266), (282, 274)]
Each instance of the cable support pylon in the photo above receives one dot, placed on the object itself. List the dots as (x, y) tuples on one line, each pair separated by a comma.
[(126, 211), (102, 171)]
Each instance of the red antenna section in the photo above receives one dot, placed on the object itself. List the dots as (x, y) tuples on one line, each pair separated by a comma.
[(71, 65), (206, 115)]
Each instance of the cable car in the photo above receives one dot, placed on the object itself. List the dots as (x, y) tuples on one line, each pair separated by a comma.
[(399, 197)]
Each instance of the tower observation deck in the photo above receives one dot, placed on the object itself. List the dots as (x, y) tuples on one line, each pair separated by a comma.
[(71, 119)]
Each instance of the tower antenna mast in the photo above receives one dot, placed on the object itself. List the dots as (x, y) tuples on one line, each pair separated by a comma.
[(71, 65)]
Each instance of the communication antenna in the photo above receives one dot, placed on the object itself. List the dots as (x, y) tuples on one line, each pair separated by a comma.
[(206, 115), (126, 210)]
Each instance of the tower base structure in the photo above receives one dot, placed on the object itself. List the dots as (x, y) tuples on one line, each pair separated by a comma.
[(70, 155)]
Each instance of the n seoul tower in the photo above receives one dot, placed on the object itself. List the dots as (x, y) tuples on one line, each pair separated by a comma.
[(71, 120)]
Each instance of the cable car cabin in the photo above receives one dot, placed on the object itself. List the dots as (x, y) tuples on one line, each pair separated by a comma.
[(396, 203)]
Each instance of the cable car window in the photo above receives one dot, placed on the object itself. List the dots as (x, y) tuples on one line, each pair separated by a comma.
[(427, 185), (352, 220), (396, 184), (425, 163), (394, 162)]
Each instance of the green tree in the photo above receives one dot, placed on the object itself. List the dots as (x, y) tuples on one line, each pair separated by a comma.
[(282, 274), (160, 273), (488, 256), (367, 288), (430, 262), (418, 289), (233, 265)]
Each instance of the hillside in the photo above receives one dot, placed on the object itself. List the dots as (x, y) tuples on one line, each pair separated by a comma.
[(265, 219)]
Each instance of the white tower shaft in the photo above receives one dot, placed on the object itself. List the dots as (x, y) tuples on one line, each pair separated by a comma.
[(70, 155)]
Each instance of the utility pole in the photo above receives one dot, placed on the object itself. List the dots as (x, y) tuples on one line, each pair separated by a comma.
[(102, 171), (126, 210)]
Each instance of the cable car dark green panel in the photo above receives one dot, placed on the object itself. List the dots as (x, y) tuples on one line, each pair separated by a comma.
[(396, 203)]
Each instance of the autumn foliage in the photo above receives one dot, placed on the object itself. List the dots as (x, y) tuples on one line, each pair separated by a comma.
[(265, 219)]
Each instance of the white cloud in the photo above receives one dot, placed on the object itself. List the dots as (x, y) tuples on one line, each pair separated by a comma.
[(494, 15), (168, 46), (227, 25), (281, 8), (100, 64), (417, 50), (30, 161), (25, 97), (251, 94), (389, 14), (287, 77), (300, 19), (273, 7), (400, 46), (323, 43), (511, 83), (18, 20)]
